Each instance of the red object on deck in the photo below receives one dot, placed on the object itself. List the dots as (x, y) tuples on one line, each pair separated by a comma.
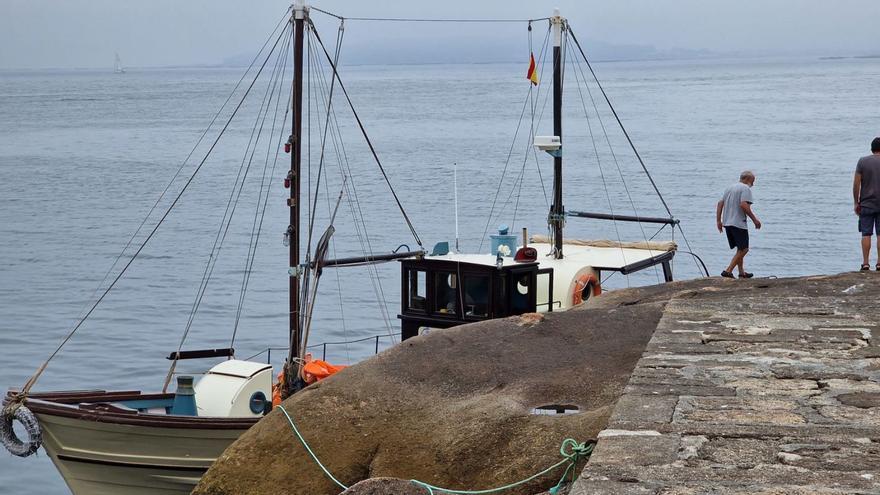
[(287, 147), (525, 254)]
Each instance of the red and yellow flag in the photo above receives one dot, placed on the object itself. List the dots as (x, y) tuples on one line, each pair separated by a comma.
[(532, 74)]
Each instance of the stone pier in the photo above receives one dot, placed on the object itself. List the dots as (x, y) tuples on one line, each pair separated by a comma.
[(768, 387)]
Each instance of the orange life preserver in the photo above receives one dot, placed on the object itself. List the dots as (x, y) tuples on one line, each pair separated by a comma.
[(581, 284), (277, 388), (316, 370)]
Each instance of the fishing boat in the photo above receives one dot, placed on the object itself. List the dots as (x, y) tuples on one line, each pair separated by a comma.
[(540, 273), (131, 442)]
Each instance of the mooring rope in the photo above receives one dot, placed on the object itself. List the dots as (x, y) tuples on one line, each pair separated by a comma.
[(571, 451)]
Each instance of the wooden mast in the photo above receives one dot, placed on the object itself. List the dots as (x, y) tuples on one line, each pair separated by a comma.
[(557, 210), (292, 370)]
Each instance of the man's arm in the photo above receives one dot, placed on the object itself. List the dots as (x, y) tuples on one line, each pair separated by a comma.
[(747, 208), (857, 192), (718, 210)]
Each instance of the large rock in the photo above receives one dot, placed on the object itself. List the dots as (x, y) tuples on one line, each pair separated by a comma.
[(452, 408)]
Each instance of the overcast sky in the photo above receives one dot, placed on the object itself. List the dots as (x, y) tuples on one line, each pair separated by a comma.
[(86, 33)]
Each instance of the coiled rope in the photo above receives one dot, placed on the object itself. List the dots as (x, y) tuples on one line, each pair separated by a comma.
[(571, 451)]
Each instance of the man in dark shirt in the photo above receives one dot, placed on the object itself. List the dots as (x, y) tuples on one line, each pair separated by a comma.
[(866, 201)]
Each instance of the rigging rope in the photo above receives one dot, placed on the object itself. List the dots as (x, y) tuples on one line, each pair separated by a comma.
[(513, 143), (629, 140), (354, 203), (323, 148), (33, 379), (518, 183), (331, 114), (256, 228), (188, 156), (601, 171), (619, 122), (614, 158), (366, 137), (232, 202)]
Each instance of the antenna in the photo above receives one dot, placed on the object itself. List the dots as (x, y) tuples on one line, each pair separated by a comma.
[(455, 192)]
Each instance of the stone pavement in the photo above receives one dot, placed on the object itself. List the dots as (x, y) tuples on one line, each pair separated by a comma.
[(768, 387)]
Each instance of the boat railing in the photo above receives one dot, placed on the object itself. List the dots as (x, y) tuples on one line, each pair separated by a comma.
[(323, 346)]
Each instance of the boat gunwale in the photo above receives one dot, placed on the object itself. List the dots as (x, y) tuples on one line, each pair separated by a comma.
[(66, 405)]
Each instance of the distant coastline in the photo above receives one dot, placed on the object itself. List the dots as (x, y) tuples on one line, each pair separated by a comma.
[(242, 61)]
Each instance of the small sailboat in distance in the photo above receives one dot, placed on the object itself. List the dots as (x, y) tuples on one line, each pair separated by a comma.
[(117, 67)]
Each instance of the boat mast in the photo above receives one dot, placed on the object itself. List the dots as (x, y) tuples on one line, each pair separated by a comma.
[(557, 210), (300, 11)]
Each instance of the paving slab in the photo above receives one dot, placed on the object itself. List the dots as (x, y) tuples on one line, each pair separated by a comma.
[(770, 387)]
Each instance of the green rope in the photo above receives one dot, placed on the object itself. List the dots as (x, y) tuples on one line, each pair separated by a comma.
[(571, 450), (577, 452), (306, 445)]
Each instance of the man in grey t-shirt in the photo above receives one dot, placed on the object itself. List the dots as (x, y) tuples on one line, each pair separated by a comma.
[(730, 216), (866, 200)]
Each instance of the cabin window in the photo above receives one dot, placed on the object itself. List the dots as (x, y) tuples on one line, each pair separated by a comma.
[(416, 285), (476, 295), (521, 295), (446, 293), (544, 291)]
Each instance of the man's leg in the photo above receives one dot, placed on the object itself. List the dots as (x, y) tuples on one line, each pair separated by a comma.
[(737, 260), (742, 256), (876, 230), (866, 248)]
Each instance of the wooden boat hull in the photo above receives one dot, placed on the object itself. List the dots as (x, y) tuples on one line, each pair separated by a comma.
[(102, 450)]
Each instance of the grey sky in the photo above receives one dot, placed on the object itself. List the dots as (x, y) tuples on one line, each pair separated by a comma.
[(86, 33)]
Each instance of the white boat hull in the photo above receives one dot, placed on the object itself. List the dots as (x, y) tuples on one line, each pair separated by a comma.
[(103, 449), (104, 458)]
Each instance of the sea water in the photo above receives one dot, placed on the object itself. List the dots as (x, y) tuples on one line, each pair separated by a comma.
[(85, 154)]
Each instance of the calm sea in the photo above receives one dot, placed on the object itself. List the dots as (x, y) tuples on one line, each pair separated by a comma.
[(85, 154)]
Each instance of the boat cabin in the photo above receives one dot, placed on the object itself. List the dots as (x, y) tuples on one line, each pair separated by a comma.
[(445, 291)]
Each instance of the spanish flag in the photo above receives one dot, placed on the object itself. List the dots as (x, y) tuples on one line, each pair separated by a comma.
[(532, 74)]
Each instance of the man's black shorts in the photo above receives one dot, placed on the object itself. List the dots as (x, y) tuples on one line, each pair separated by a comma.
[(869, 222), (737, 237)]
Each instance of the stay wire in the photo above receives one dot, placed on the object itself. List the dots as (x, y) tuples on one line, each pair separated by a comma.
[(354, 205), (530, 143), (361, 226), (188, 156), (518, 182), (613, 157), (628, 138), (323, 148), (513, 145), (256, 228), (366, 137), (601, 170), (31, 381), (330, 115), (234, 195), (231, 205), (620, 123)]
